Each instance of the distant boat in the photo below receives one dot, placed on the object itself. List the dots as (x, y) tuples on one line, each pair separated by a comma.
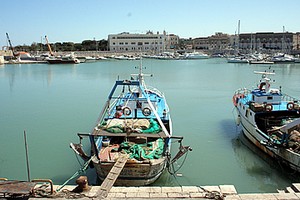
[(260, 62), (84, 59), (271, 121), (258, 58), (134, 126), (195, 55), (68, 59), (238, 59), (283, 58), (1, 60), (127, 57), (90, 59)]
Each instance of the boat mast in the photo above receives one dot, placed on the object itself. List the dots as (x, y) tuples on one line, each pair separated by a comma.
[(238, 38)]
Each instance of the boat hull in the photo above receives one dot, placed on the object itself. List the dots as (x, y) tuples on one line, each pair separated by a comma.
[(133, 174), (284, 155), (59, 61)]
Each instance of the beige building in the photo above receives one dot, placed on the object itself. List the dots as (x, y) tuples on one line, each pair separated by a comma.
[(172, 41), (215, 43), (201, 43), (149, 42), (267, 42), (296, 41)]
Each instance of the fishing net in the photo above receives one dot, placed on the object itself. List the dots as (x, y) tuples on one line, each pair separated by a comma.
[(150, 150)]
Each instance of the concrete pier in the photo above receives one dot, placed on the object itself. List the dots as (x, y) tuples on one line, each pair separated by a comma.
[(226, 192)]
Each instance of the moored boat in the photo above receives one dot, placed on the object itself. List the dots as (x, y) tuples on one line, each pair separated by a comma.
[(261, 62), (283, 58), (238, 59), (68, 59), (271, 121), (195, 55), (135, 124), (1, 60)]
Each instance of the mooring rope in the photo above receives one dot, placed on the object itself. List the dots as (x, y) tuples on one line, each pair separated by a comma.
[(82, 169)]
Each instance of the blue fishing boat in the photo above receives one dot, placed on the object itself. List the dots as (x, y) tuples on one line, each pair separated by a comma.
[(134, 124), (270, 119)]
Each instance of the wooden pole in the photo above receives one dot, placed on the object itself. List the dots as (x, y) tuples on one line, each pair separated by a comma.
[(27, 160)]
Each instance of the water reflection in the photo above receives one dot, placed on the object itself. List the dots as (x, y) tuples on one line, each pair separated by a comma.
[(267, 171)]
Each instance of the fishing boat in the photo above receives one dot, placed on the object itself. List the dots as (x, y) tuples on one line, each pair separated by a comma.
[(270, 119), (67, 59), (134, 124)]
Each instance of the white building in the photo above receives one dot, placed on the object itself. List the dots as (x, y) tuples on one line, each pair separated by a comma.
[(126, 42)]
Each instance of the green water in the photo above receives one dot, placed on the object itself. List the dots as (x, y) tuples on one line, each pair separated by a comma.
[(54, 102)]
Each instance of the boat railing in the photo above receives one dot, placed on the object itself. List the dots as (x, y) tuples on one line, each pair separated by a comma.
[(242, 91), (155, 90), (288, 98)]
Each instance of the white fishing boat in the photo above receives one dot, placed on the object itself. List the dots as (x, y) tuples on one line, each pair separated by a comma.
[(134, 131), (270, 119), (283, 58), (195, 55), (238, 59)]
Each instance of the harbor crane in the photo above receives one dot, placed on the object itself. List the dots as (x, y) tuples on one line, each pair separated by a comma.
[(11, 47), (49, 47)]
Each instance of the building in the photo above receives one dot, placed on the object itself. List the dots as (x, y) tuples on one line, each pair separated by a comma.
[(215, 43), (149, 42), (267, 42), (296, 42), (200, 43), (172, 41)]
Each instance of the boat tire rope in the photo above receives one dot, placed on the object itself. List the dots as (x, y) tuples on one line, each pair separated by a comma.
[(146, 112), (269, 107), (290, 106), (126, 111)]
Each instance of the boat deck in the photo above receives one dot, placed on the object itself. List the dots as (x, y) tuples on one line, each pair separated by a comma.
[(275, 107)]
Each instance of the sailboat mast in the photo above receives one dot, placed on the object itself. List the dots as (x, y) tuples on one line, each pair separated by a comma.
[(238, 39)]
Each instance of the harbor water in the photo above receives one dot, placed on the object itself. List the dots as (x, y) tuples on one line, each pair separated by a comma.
[(52, 103)]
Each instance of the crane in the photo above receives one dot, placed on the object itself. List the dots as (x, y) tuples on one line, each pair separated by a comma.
[(11, 47), (49, 47)]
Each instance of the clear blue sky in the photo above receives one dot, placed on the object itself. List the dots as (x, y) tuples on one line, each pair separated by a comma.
[(78, 20)]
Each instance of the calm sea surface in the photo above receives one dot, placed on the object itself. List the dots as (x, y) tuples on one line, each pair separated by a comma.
[(52, 103)]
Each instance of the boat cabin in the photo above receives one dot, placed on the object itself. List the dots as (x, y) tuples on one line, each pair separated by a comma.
[(273, 96)]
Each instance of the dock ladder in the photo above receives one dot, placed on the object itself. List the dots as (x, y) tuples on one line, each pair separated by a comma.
[(112, 176)]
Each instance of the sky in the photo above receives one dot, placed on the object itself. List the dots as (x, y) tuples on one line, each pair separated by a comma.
[(29, 21)]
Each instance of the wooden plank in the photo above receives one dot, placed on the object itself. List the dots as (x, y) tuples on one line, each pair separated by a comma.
[(296, 187), (112, 176), (290, 190)]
